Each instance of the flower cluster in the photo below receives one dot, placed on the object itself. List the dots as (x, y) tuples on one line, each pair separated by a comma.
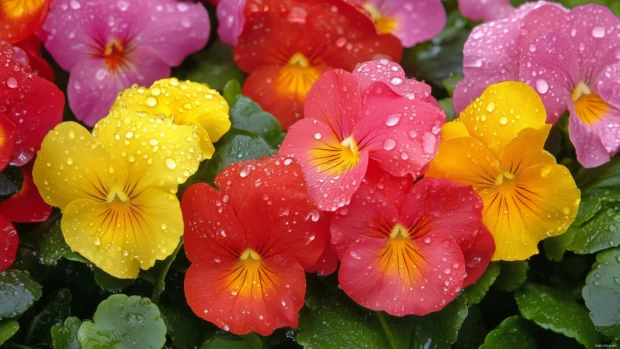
[(571, 59)]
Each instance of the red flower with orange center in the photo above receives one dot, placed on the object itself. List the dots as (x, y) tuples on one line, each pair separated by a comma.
[(249, 244), (286, 45)]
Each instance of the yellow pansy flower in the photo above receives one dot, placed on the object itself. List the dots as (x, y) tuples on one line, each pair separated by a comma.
[(496, 146), (116, 187), (187, 102)]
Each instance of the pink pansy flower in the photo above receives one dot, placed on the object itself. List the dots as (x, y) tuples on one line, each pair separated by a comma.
[(486, 10), (412, 21), (231, 20), (351, 118), (110, 45), (491, 53), (576, 67)]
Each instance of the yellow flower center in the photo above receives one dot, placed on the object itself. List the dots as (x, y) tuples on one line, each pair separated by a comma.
[(297, 77), (399, 232), (385, 25), (114, 54), (250, 255), (588, 106), (336, 158), (20, 8)]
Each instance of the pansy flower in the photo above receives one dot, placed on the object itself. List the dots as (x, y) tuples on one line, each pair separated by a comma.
[(20, 19), (351, 118), (187, 102), (249, 244), (110, 45), (230, 20), (486, 10), (575, 67), (116, 187), (286, 45), (31, 104), (412, 21), (496, 146), (409, 249)]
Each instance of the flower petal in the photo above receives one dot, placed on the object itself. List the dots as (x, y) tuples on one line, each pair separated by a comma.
[(333, 173), (93, 87), (403, 277), (7, 140), (242, 298), (487, 10), (328, 261), (525, 150), (418, 20), (230, 20), (220, 235), (71, 165), (121, 240), (501, 112), (591, 151), (26, 206), (478, 256), (21, 19), (8, 243)]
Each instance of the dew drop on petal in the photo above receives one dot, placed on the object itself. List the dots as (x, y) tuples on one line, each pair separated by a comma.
[(171, 164), (542, 86), (389, 144)]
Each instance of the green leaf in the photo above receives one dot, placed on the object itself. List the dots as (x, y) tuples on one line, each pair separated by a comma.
[(226, 343), (51, 245), (182, 327), (447, 106), (512, 275), (109, 282), (248, 116), (66, 336), (513, 333), (440, 329), (18, 292), (605, 176), (599, 233), (7, 329), (602, 292), (472, 332), (451, 81), (475, 293), (55, 311), (553, 310), (160, 284), (215, 66), (232, 91), (124, 322)]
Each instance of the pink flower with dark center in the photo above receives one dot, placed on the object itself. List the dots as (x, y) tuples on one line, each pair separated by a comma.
[(110, 45)]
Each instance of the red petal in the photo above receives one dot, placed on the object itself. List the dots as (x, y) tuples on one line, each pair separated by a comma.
[(211, 227), (243, 298), (26, 206), (32, 47), (8, 243), (7, 140), (403, 277), (239, 179), (478, 256), (328, 262), (21, 19), (289, 224)]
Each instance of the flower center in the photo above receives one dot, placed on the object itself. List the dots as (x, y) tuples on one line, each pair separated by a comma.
[(399, 232), (335, 158), (300, 60), (385, 25), (250, 255), (20, 8), (114, 54), (588, 106), (297, 77)]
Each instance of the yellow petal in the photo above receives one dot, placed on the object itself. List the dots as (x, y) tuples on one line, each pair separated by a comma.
[(541, 202), (188, 102), (466, 161), (71, 165), (148, 150), (454, 129), (122, 237), (501, 112), (526, 150)]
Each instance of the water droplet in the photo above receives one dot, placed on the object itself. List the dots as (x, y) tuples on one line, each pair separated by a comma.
[(389, 144), (392, 120), (503, 120), (490, 107), (598, 32), (542, 86), (317, 136), (171, 164), (11, 83), (151, 101)]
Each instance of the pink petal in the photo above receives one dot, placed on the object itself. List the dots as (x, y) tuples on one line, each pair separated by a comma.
[(465, 92), (547, 17), (589, 147), (230, 20), (93, 88), (608, 85), (393, 75), (330, 191), (400, 134), (551, 67), (418, 20), (486, 10)]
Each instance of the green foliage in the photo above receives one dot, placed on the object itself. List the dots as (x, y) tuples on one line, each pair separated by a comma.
[(18, 292), (7, 329), (602, 292), (66, 336), (512, 275), (124, 322), (513, 333), (475, 293)]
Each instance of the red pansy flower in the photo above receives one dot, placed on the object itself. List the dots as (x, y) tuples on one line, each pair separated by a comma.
[(19, 19), (353, 117), (409, 249), (32, 104), (286, 44), (249, 244)]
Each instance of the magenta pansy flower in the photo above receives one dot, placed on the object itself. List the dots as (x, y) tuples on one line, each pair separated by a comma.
[(576, 68), (486, 10), (109, 45), (230, 20), (352, 118), (412, 21)]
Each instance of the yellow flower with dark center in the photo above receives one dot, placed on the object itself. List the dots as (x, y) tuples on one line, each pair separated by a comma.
[(496, 146), (187, 102), (116, 187)]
